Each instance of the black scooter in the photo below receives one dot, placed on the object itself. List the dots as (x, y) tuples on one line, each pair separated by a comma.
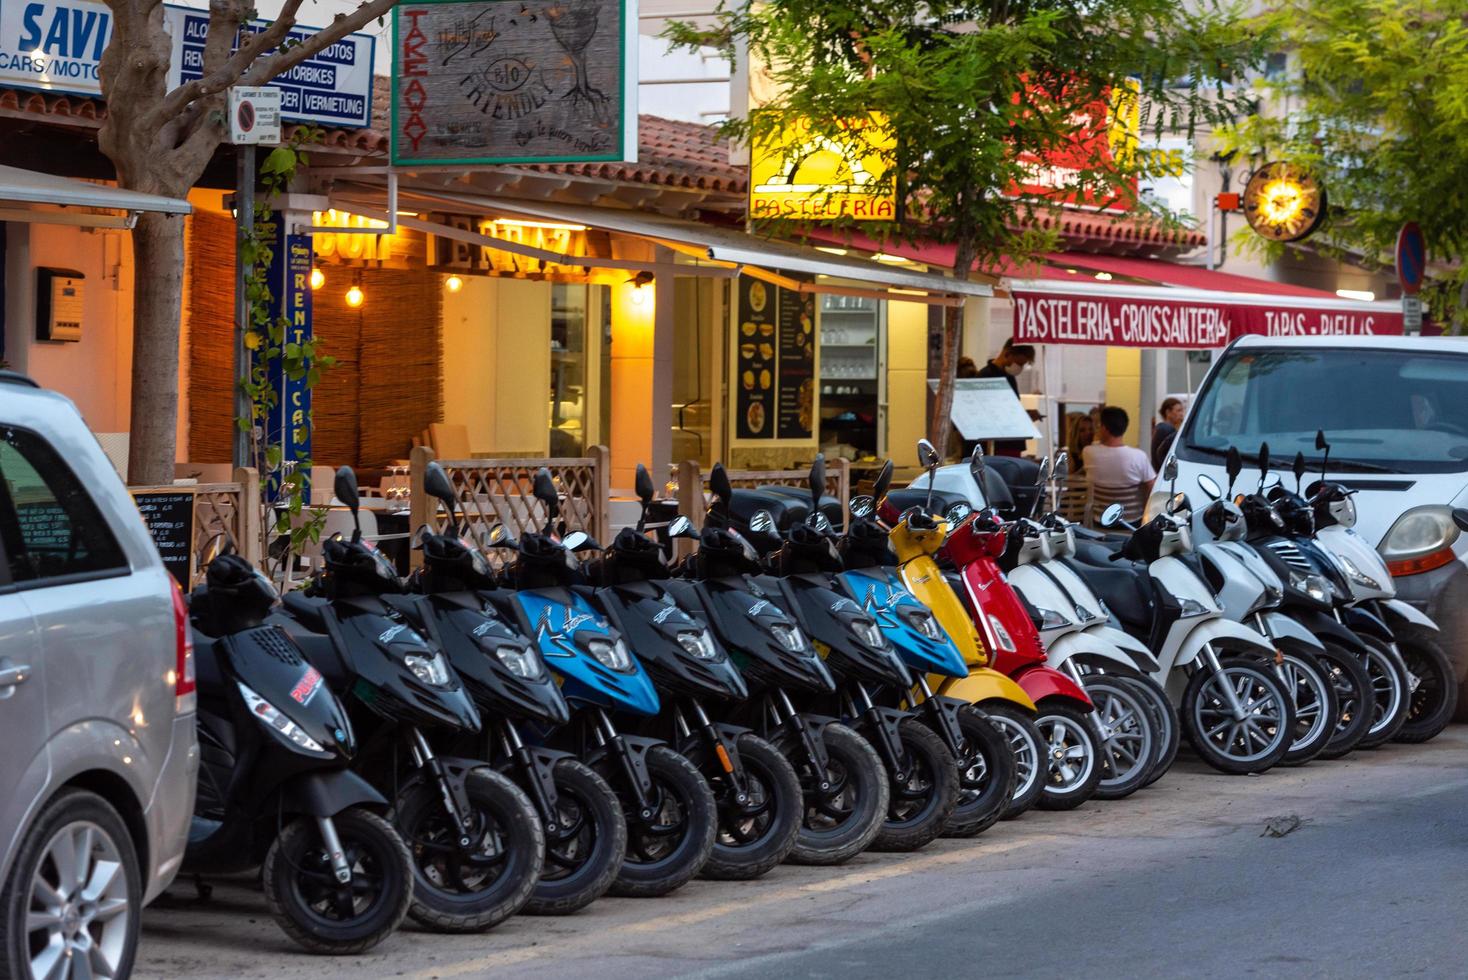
[(274, 784), (476, 841), (756, 788), (844, 787), (585, 832)]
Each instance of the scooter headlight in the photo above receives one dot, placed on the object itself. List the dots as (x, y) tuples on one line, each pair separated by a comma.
[(430, 668), (1192, 607), (270, 716), (1049, 620), (612, 655), (699, 644), (923, 622), (1316, 587), (1001, 635), (790, 637), (867, 631), (521, 661), (1356, 575)]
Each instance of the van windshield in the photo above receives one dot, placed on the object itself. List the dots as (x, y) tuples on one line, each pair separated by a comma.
[(1382, 411)]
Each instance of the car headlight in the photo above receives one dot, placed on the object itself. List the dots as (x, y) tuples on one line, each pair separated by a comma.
[(1192, 607), (270, 715), (698, 643), (430, 668), (612, 655), (790, 637), (1049, 620), (923, 622), (1421, 539), (520, 660), (867, 631), (1316, 587), (1001, 635), (1356, 575)]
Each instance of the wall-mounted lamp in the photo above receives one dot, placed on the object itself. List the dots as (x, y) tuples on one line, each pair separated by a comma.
[(638, 281), (318, 279), (453, 284)]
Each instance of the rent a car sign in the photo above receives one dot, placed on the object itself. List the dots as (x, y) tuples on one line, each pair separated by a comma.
[(56, 46)]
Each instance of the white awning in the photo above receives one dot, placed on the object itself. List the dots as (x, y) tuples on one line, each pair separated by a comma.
[(26, 195), (751, 255)]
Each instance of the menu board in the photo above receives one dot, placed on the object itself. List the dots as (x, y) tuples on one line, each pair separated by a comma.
[(797, 371), (774, 362), (169, 515)]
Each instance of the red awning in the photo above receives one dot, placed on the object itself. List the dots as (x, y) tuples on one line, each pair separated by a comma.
[(1195, 308)]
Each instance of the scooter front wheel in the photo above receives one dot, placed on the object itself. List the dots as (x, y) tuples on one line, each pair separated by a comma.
[(1027, 746), (1352, 683), (1389, 688), (922, 793), (469, 882), (842, 817), (670, 842), (1250, 740), (1072, 758), (985, 775), (1433, 685), (585, 842), (1129, 747), (759, 831), (328, 916), (1317, 708)]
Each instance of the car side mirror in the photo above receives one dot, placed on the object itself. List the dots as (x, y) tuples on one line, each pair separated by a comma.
[(1111, 515), (643, 483)]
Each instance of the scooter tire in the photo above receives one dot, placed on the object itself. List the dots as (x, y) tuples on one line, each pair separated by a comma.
[(1027, 746), (771, 782), (1059, 720), (585, 845), (1310, 678), (1435, 698), (506, 819), (1389, 684), (985, 767), (1129, 756), (1352, 687), (679, 789), (1263, 680), (1164, 715), (297, 857), (921, 801), (855, 831)]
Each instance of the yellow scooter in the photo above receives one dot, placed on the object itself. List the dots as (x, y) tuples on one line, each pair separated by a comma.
[(916, 538)]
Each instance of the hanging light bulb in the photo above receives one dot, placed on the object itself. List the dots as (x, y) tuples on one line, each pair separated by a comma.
[(318, 279), (453, 284), (355, 296)]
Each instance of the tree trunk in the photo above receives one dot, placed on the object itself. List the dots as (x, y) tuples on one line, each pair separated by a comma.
[(158, 262), (941, 422)]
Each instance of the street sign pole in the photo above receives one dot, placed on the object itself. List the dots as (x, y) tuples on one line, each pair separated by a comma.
[(244, 224)]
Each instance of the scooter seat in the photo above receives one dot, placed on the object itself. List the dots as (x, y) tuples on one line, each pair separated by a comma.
[(308, 611), (1101, 554), (1125, 588)]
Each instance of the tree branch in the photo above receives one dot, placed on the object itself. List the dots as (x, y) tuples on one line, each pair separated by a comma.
[(343, 25)]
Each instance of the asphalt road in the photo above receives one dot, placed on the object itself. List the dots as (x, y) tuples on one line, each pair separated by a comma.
[(1180, 880)]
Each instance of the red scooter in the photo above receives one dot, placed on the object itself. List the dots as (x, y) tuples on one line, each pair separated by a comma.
[(1065, 711)]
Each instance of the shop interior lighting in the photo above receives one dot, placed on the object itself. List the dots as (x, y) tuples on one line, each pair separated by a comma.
[(1364, 295), (638, 282), (318, 278), (453, 284), (552, 225)]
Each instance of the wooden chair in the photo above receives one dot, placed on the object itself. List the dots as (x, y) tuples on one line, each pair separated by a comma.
[(449, 441), (1133, 500)]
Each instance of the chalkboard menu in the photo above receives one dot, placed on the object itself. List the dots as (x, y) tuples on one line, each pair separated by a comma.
[(169, 515), (774, 362)]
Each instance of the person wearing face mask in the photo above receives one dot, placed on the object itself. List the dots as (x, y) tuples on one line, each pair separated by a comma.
[(1007, 364)]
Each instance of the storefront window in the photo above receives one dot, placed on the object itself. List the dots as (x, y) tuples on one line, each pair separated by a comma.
[(851, 357), (701, 304), (580, 325)]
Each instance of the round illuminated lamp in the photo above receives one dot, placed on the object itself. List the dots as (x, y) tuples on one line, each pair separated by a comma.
[(1283, 202)]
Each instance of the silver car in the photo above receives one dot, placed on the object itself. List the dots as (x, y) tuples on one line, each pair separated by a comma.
[(96, 701)]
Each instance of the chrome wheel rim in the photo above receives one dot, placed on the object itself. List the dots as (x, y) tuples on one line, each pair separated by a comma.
[(1307, 692), (1246, 739), (1128, 738), (1026, 754), (78, 913), (1069, 753), (1385, 689)]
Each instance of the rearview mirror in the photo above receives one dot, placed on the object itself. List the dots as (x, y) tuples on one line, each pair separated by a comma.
[(681, 527), (1321, 446), (976, 465), (1209, 486), (820, 522), (762, 522), (575, 541), (956, 514), (1062, 465), (884, 480), (927, 456), (500, 537), (863, 506), (437, 484), (1044, 472), (1177, 503), (1111, 515), (217, 547), (1233, 465), (719, 483), (1263, 461), (1169, 470), (643, 482), (1299, 470), (545, 491), (345, 488), (817, 481)]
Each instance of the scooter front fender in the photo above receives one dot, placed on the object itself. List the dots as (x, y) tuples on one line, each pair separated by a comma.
[(325, 793), (982, 684), (1282, 627), (1225, 632), (1041, 683), (1368, 624), (1097, 642), (1398, 609)]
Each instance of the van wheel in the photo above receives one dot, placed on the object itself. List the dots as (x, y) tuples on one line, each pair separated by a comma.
[(75, 895)]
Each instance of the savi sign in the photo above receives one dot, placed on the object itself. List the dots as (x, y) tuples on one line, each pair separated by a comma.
[(56, 46), (514, 81), (1125, 321), (798, 173)]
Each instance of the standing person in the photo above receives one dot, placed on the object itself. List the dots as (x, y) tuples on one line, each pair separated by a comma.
[(1171, 413), (1112, 464), (1011, 360)]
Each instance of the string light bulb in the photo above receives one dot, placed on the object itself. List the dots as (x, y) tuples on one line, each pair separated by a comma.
[(318, 278), (355, 296), (453, 284)]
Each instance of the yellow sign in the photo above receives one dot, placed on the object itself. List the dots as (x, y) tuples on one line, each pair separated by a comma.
[(803, 175), (561, 239), (355, 242)]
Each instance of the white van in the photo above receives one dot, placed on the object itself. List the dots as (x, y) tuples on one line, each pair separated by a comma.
[(1395, 412)]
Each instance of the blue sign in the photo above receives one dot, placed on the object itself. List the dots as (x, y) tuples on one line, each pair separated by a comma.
[(289, 281), (1411, 257)]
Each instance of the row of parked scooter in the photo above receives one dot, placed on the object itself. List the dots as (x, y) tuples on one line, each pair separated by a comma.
[(527, 725)]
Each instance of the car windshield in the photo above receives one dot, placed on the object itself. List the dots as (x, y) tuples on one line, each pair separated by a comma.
[(1382, 410)]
